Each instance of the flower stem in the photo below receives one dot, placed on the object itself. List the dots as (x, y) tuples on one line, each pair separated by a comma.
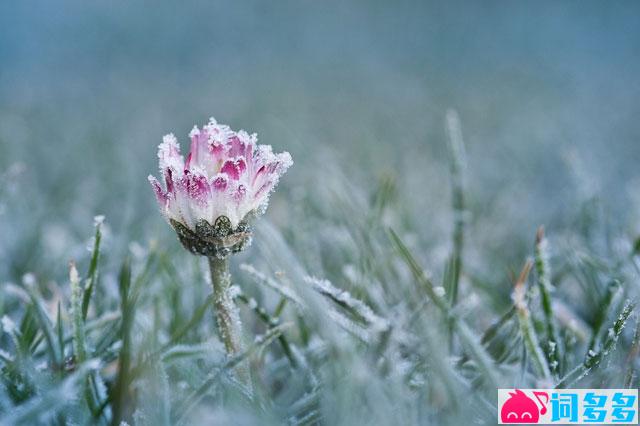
[(228, 316)]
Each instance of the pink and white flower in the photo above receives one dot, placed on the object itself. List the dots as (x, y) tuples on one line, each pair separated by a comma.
[(225, 174)]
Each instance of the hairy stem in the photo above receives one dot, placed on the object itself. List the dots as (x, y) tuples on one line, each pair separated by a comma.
[(228, 316)]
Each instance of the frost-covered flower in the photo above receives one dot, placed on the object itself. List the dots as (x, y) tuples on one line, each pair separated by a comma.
[(225, 180)]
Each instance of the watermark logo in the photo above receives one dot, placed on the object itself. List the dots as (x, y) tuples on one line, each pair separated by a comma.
[(568, 406)]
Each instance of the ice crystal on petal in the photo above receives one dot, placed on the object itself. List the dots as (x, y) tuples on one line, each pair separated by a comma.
[(224, 175)]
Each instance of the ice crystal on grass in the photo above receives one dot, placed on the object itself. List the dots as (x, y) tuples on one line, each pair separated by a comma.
[(261, 278), (343, 298), (8, 326), (98, 220)]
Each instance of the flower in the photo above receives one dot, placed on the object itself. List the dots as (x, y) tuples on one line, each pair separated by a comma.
[(210, 197)]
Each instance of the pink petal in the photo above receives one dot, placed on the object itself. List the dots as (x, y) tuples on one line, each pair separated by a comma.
[(249, 143), (219, 183), (168, 179), (161, 196), (265, 188), (202, 148), (196, 185), (234, 168), (266, 170), (261, 171), (216, 149), (241, 164), (229, 168), (236, 146), (169, 153), (240, 193)]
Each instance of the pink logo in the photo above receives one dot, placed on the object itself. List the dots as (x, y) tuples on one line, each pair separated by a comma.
[(519, 408)]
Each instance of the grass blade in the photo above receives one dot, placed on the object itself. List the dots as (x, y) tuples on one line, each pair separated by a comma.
[(632, 357), (543, 272), (458, 166), (36, 410), (268, 320), (601, 314), (175, 338), (120, 393), (491, 332), (79, 337), (92, 275), (262, 279), (60, 329), (593, 358), (467, 336), (526, 327), (45, 326), (260, 343), (355, 307)]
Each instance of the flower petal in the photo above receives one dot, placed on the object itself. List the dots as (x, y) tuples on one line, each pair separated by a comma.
[(219, 182), (161, 196), (199, 150), (169, 153), (168, 179), (240, 193), (234, 167), (226, 173), (197, 186)]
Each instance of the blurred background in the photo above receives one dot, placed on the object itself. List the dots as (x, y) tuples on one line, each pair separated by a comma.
[(357, 91)]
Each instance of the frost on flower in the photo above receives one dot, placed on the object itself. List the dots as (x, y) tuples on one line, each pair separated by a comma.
[(210, 195)]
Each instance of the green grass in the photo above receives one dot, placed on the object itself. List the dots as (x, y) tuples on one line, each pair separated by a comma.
[(343, 320)]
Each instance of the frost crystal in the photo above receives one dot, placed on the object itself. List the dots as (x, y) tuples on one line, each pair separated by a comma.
[(5, 355), (7, 324), (234, 291), (98, 220), (29, 279), (345, 299), (439, 291)]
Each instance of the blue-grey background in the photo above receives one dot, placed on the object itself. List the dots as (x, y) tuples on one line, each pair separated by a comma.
[(547, 93)]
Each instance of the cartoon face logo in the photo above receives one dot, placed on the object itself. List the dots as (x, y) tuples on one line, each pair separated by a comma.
[(519, 408)]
